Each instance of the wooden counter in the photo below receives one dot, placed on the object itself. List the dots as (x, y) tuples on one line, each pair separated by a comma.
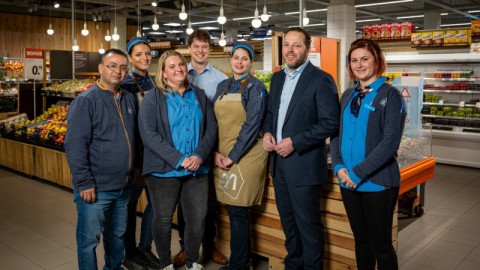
[(267, 237)]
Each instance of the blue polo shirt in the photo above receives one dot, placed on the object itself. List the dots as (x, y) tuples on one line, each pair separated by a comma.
[(207, 80), (354, 137), (185, 117)]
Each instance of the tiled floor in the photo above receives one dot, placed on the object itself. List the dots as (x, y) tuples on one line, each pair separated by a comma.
[(37, 225)]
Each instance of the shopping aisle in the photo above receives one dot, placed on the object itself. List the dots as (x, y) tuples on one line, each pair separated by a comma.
[(37, 225)]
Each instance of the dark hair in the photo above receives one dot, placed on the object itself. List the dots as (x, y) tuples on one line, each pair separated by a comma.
[(201, 35), (133, 42), (374, 49), (112, 51), (308, 37)]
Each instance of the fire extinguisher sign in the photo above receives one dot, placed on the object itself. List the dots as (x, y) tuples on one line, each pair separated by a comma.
[(33, 64)]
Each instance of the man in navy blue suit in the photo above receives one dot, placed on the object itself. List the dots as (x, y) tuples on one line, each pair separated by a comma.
[(303, 111)]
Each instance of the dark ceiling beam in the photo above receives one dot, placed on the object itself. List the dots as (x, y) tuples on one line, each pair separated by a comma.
[(466, 14)]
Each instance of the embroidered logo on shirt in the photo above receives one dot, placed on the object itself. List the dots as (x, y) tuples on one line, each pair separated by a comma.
[(383, 102), (130, 110)]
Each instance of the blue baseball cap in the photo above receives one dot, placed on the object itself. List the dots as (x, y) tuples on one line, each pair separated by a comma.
[(245, 46), (134, 41)]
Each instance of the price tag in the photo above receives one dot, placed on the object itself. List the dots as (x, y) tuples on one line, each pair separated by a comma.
[(33, 64), (477, 105), (440, 102), (461, 104)]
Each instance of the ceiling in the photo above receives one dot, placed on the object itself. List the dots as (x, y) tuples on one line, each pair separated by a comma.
[(208, 10)]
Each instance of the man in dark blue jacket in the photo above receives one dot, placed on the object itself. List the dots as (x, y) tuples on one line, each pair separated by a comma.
[(99, 145)]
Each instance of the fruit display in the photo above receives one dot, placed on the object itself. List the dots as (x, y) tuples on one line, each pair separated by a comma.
[(15, 65), (48, 129), (265, 77), (71, 86)]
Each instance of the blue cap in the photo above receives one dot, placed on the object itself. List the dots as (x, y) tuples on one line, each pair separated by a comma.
[(245, 46), (134, 41)]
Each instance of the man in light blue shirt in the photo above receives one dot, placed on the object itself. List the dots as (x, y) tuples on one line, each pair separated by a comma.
[(206, 77)]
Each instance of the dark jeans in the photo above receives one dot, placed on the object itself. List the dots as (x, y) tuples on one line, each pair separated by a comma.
[(299, 209), (239, 238), (208, 240), (165, 193), (371, 218), (146, 235)]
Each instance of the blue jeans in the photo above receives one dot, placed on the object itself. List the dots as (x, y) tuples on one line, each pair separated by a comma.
[(192, 192), (107, 216), (239, 238), (146, 235)]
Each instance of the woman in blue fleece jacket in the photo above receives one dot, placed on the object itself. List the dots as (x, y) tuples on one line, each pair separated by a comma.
[(178, 129), (364, 155)]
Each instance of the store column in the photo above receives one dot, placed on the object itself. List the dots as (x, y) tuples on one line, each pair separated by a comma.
[(341, 25), (121, 23), (432, 20)]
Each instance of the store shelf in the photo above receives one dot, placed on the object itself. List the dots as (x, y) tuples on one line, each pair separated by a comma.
[(450, 117), (453, 129), (433, 58), (451, 91), (453, 79), (448, 104)]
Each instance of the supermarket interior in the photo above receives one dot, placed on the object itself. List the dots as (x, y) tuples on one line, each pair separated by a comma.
[(50, 51)]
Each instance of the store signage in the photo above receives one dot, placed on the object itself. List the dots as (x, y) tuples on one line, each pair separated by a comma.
[(34, 64), (260, 32), (314, 52)]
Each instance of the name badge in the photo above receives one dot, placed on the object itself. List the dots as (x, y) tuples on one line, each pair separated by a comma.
[(369, 107)]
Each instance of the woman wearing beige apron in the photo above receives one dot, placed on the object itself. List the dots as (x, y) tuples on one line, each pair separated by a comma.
[(240, 160)]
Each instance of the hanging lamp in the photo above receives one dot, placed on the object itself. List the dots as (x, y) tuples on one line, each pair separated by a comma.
[(115, 35), (264, 15), (84, 30), (221, 18), (306, 20), (107, 36), (183, 15), (222, 42), (50, 29), (256, 22)]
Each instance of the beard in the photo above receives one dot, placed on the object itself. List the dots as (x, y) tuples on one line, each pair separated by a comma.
[(297, 63)]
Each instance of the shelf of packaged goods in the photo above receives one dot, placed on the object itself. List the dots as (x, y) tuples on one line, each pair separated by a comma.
[(450, 117), (448, 104), (48, 93), (454, 129), (453, 79), (433, 58), (451, 91)]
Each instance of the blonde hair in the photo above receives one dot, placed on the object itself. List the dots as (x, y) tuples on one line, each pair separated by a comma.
[(160, 81)]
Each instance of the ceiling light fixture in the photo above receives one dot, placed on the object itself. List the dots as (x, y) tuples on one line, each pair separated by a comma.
[(189, 29), (115, 35), (84, 30), (155, 25), (264, 15), (50, 29), (256, 22), (368, 20), (107, 36), (473, 11), (101, 50), (205, 22), (139, 34), (183, 15), (306, 20), (308, 11), (222, 42), (383, 3), (315, 24), (454, 24), (75, 46), (221, 18), (154, 4), (56, 4)]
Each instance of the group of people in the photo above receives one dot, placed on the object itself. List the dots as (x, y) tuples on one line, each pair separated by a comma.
[(191, 136)]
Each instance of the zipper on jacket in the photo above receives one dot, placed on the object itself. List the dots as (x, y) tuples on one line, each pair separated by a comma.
[(116, 99)]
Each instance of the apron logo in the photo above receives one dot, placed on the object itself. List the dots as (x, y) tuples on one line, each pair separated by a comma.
[(227, 178)]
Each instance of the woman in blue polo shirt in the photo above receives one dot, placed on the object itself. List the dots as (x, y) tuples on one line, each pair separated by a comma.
[(364, 155)]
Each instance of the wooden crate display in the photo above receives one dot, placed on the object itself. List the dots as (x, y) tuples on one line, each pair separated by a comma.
[(52, 165), (17, 156), (268, 239)]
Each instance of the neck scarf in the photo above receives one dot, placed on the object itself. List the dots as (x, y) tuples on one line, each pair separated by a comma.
[(357, 99)]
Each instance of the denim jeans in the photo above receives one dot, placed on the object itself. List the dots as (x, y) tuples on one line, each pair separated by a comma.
[(146, 234), (371, 217), (239, 238), (165, 193), (107, 216), (208, 240)]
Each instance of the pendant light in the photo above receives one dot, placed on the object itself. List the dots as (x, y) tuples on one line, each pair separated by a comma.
[(222, 42), (256, 22), (138, 21), (107, 36), (189, 29), (264, 15), (221, 18), (306, 20), (101, 50), (75, 46), (154, 3), (84, 30), (115, 35), (50, 29), (183, 15), (155, 25)]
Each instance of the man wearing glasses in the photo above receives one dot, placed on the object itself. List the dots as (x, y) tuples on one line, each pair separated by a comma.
[(99, 147)]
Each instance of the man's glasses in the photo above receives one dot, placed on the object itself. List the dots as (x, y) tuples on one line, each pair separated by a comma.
[(113, 67)]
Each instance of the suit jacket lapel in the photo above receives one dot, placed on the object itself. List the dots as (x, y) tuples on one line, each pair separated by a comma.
[(299, 89)]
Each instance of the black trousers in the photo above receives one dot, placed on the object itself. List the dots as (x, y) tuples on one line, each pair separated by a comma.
[(371, 219)]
